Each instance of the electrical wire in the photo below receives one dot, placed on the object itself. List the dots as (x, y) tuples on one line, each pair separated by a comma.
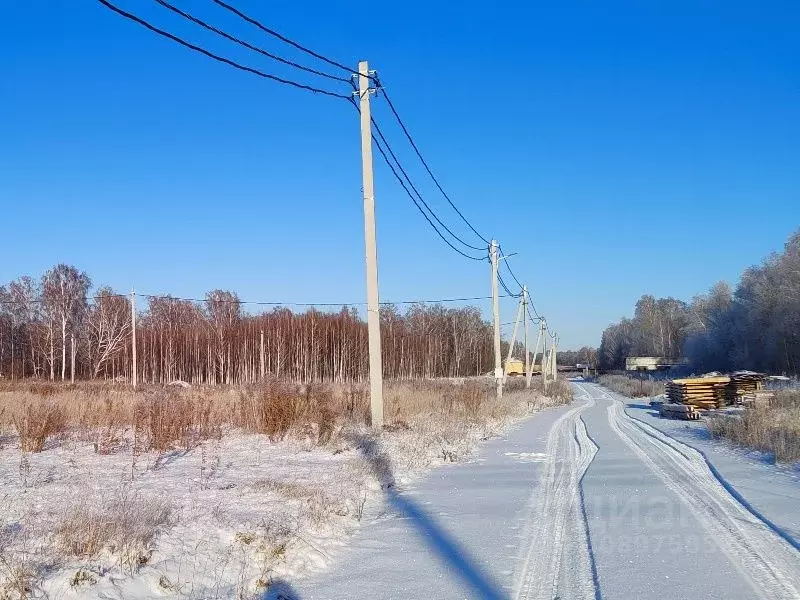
[(259, 303), (327, 304), (505, 287), (508, 266), (247, 45), (283, 38), (414, 200), (533, 307), (216, 57), (421, 199), (403, 185), (380, 86), (236, 65)]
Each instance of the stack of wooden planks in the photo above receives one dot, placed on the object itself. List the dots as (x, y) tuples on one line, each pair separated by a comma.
[(758, 399), (700, 392), (678, 411), (743, 386)]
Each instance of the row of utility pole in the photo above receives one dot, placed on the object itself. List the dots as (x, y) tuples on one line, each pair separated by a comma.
[(549, 366)]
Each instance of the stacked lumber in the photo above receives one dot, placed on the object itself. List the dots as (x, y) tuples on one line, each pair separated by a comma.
[(700, 392), (686, 412), (758, 399), (743, 386)]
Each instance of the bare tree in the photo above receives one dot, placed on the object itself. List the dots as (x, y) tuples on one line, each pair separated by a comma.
[(109, 324), (64, 290), (223, 310)]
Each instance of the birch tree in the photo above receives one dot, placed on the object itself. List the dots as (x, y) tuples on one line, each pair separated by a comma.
[(64, 290), (108, 325)]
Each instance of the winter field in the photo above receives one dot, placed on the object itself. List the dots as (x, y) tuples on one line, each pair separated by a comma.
[(213, 492), (597, 499)]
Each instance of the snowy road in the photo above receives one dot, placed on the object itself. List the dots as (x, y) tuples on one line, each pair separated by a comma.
[(579, 502)]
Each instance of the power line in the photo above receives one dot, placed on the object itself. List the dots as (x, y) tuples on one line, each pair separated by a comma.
[(424, 163), (505, 287), (313, 89), (312, 304), (335, 63), (283, 38), (439, 233), (533, 307), (410, 195), (403, 171), (516, 279), (247, 45), (508, 266), (236, 65), (260, 303), (216, 57)]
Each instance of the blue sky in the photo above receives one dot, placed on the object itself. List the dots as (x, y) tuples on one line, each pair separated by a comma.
[(620, 148)]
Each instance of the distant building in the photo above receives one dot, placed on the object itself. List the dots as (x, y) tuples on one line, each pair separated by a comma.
[(647, 363)]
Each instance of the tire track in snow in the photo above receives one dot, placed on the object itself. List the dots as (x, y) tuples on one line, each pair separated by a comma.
[(548, 525), (765, 560)]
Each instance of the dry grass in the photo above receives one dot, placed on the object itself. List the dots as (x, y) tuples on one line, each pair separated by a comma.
[(427, 422), (632, 387), (161, 419), (559, 390), (774, 429), (36, 421), (124, 525)]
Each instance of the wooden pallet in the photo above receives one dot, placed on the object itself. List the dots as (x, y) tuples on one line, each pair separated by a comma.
[(686, 412)]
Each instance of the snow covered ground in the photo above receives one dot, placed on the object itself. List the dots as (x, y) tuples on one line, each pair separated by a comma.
[(578, 502), (772, 489), (598, 499), (221, 520)]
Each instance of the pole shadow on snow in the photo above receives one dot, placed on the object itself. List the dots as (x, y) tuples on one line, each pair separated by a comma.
[(439, 542), (280, 590)]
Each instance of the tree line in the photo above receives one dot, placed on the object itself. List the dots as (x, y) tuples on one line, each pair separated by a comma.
[(217, 341), (755, 325)]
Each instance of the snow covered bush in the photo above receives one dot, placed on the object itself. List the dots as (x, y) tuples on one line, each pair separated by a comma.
[(632, 387), (122, 526), (774, 429), (36, 421)]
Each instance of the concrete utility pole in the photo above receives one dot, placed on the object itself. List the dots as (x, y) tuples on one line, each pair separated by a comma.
[(373, 316), (133, 338), (554, 357), (545, 356), (525, 321), (535, 353), (510, 352), (261, 363), (498, 368), (72, 358)]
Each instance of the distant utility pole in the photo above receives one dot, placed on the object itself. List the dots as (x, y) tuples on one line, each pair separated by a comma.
[(498, 368), (373, 316), (510, 353), (261, 357), (525, 321), (535, 353), (545, 356), (554, 352), (133, 338)]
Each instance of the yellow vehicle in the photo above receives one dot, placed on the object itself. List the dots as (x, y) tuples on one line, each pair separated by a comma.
[(515, 367)]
